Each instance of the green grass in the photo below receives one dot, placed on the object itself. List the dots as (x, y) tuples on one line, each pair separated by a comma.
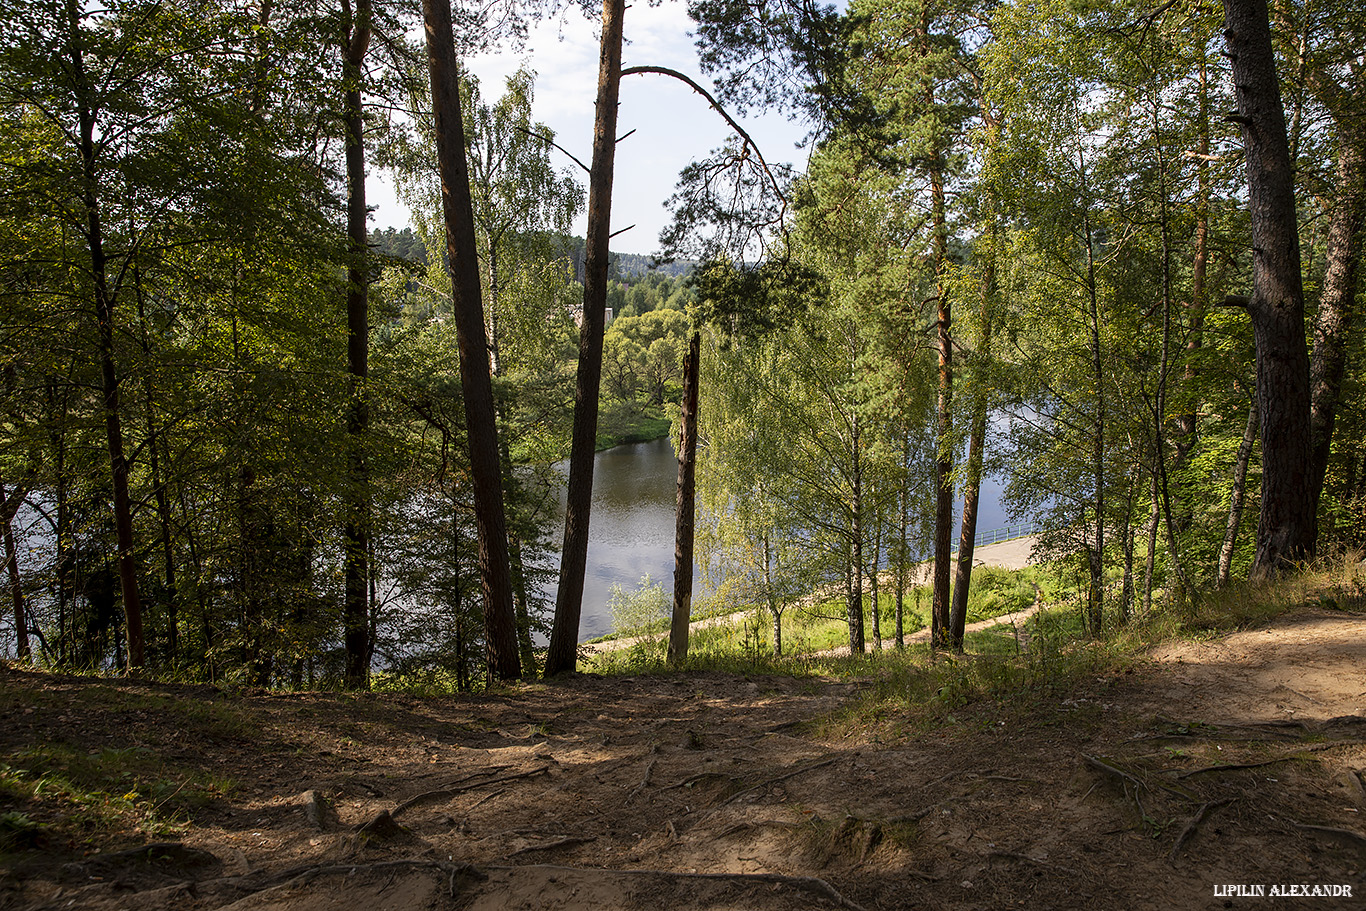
[(102, 791), (1013, 665), (823, 625), (627, 422)]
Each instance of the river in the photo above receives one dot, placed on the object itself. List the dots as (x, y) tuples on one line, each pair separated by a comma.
[(632, 529), (631, 533)]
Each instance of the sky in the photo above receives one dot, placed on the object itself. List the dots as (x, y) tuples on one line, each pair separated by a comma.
[(673, 124)]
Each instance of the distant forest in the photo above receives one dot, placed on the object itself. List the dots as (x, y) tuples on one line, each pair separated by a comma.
[(625, 267)]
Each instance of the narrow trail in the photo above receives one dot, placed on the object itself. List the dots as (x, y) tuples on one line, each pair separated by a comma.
[(1014, 554)]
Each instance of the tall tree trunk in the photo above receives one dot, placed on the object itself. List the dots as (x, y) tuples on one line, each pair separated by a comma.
[(1126, 592), (685, 504), (972, 484), (874, 607), (1159, 406), (1095, 552), (163, 501), (1235, 504), (516, 563), (903, 555), (1287, 526), (104, 299), (1150, 562), (1334, 323), (854, 593), (356, 536), (500, 626), (942, 624), (562, 654), (774, 611), (1195, 308)]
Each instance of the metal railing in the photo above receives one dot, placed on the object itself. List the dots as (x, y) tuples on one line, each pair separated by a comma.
[(1004, 533)]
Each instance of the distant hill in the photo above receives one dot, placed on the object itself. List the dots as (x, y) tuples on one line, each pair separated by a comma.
[(629, 264), (404, 244), (626, 266)]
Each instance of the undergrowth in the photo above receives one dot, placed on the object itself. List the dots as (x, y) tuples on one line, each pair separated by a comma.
[(1013, 664)]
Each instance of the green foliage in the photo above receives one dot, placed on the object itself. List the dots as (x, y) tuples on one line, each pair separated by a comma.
[(640, 612)]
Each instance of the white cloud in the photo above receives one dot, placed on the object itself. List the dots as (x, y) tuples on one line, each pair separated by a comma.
[(673, 125)]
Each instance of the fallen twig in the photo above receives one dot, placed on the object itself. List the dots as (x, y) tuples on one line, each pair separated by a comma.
[(1200, 816), (649, 768)]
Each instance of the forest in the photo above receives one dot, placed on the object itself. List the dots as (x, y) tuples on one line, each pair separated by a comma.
[(1102, 249)]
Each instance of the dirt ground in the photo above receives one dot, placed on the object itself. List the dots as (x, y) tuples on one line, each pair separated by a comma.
[(1231, 762)]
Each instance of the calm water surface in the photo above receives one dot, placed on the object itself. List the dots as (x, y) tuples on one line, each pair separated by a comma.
[(631, 533), (632, 529)]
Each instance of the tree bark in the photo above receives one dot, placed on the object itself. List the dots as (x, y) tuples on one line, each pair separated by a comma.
[(941, 625), (1337, 304), (9, 506), (1287, 526), (500, 627), (1235, 504), (562, 654), (104, 299), (972, 485), (685, 505), (356, 535)]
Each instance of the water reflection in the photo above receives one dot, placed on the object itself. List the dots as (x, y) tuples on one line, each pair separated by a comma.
[(632, 529)]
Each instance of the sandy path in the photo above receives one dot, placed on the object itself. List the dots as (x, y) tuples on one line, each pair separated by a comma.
[(1308, 666)]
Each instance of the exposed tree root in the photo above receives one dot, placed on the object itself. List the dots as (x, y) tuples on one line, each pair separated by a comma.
[(1346, 836), (1234, 766), (1200, 816), (443, 793), (557, 843), (649, 768), (261, 880), (781, 778), (1113, 770)]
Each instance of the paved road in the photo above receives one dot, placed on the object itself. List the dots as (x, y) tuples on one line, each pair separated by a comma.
[(1010, 554)]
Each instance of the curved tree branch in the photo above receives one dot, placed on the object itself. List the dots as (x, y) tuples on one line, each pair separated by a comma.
[(716, 106)]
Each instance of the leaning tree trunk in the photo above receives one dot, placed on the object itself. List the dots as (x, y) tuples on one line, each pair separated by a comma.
[(8, 508), (685, 505), (1287, 526), (562, 654), (500, 626), (1235, 504), (1333, 325)]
